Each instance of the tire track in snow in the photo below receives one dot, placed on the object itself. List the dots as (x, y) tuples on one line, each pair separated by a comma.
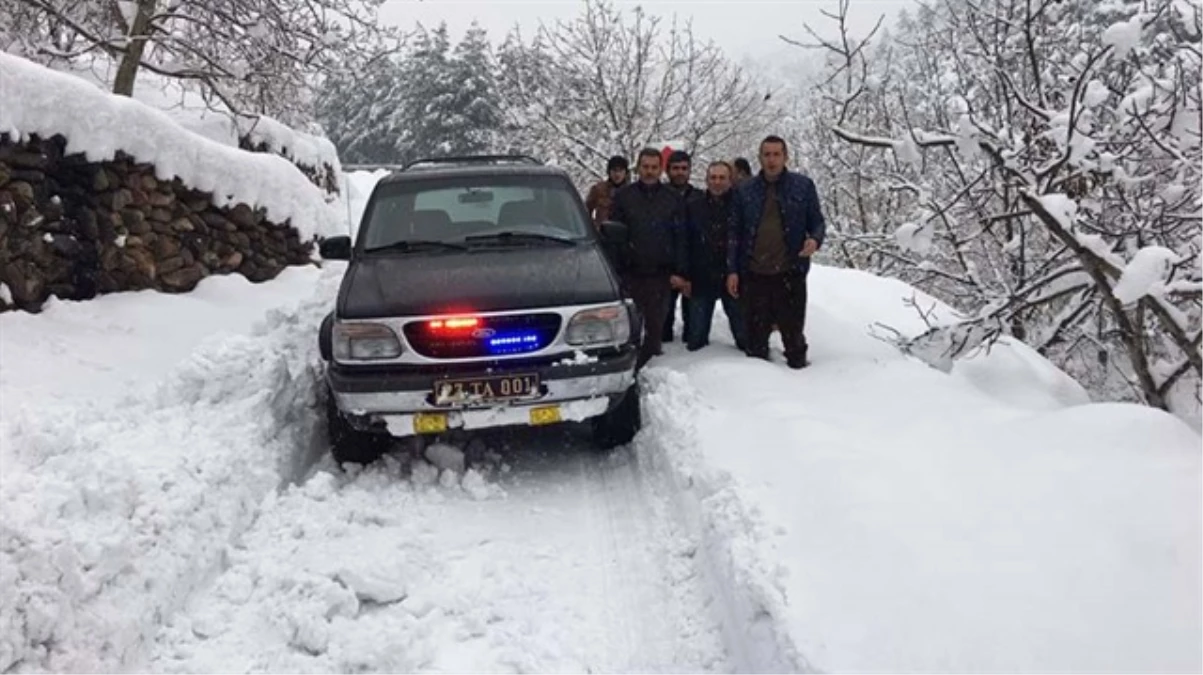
[(564, 562)]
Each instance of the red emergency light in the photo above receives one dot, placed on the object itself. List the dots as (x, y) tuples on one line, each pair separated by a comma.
[(458, 323)]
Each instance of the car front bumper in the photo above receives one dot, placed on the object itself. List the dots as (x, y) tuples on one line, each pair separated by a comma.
[(400, 402)]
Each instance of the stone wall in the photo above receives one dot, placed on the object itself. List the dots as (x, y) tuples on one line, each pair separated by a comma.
[(76, 229)]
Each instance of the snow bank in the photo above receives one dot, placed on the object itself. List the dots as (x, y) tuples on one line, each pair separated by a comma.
[(357, 188), (875, 514), (46, 102), (735, 541), (94, 352), (114, 514)]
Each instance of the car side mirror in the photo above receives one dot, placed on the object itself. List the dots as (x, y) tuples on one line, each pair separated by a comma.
[(613, 232), (337, 247)]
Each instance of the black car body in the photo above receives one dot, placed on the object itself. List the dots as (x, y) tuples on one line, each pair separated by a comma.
[(477, 294)]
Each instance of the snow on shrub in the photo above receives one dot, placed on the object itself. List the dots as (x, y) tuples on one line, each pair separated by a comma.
[(112, 517)]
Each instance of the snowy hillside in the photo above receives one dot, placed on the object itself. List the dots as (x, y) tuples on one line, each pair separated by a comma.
[(868, 513)]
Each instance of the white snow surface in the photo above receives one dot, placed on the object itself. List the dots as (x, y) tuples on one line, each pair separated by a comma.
[(183, 102), (39, 100), (877, 515), (116, 507), (866, 513)]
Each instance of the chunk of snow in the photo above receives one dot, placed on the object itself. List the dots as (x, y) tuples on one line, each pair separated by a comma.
[(1061, 207), (1124, 36), (1172, 192), (915, 237), (1096, 93), (446, 457), (98, 124), (374, 582), (1145, 274), (907, 151)]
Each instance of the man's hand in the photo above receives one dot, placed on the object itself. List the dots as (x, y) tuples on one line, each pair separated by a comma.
[(733, 285), (677, 282), (808, 248)]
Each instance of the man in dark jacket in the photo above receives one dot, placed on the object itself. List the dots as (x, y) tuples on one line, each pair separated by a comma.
[(652, 261), (779, 226), (709, 216), (600, 195), (680, 167), (743, 171)]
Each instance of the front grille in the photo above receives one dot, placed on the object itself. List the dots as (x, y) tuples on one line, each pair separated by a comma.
[(491, 336)]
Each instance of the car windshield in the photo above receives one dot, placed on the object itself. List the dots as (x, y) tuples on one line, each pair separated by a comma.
[(474, 211)]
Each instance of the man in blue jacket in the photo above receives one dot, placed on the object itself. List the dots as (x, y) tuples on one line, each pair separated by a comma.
[(709, 215), (778, 227)]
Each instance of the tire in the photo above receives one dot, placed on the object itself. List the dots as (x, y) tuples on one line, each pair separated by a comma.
[(619, 425), (348, 444)]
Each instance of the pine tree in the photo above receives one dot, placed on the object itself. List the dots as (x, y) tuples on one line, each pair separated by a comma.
[(475, 106), (356, 112)]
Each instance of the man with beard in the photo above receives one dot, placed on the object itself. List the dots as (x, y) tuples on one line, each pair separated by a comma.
[(680, 166), (779, 225), (708, 222), (651, 262), (601, 194)]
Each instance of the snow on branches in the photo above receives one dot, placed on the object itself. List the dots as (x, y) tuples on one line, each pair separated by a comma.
[(246, 57), (1038, 165), (607, 82)]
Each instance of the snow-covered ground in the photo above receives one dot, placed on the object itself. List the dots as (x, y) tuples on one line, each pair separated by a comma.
[(886, 517), (167, 506)]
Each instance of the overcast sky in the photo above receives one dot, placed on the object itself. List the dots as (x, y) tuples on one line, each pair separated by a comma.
[(748, 29)]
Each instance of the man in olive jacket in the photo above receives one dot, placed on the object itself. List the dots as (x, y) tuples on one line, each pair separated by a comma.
[(652, 260), (779, 225)]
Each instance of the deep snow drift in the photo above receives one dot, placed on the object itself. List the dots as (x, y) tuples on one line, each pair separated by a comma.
[(885, 516), (114, 512)]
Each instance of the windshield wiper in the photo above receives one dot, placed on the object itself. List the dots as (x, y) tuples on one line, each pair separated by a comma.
[(512, 236), (407, 245)]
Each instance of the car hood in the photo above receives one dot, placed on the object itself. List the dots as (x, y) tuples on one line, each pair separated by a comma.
[(479, 280)]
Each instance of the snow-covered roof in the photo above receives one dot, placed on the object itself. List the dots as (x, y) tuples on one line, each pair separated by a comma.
[(38, 100)]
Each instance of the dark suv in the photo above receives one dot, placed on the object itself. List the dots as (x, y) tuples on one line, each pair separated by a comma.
[(477, 295)]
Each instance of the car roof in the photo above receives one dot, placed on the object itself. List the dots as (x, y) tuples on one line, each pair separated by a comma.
[(489, 165)]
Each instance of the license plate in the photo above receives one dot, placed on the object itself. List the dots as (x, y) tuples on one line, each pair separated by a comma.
[(545, 415), (430, 423), (486, 389)]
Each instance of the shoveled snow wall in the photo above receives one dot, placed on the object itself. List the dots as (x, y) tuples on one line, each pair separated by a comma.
[(115, 514), (101, 193)]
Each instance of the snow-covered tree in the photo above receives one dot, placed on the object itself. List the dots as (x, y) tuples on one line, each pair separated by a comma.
[(1048, 159), (610, 82), (429, 100), (357, 112), (475, 108), (246, 57)]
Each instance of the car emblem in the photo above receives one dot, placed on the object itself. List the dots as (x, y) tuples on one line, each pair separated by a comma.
[(483, 333)]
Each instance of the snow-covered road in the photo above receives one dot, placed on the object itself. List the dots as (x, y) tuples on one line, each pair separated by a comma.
[(549, 558)]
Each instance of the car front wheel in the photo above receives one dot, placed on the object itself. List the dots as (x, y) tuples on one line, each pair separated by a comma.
[(619, 425), (348, 444)]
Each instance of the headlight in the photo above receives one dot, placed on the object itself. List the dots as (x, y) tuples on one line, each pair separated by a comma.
[(605, 325), (365, 342)]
